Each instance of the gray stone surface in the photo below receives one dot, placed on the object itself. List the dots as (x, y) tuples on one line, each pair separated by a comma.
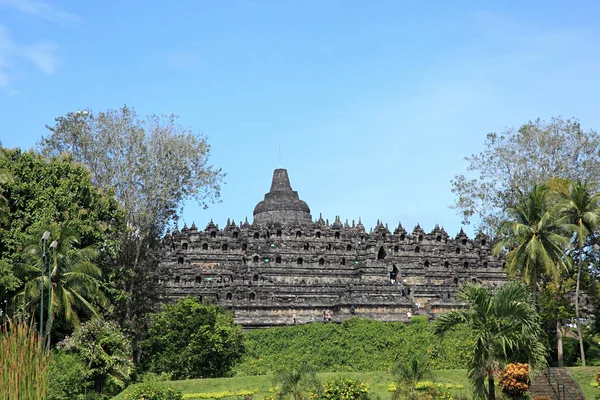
[(285, 263)]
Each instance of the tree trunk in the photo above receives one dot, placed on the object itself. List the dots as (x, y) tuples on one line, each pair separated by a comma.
[(559, 343), (579, 263), (492, 388), (534, 287)]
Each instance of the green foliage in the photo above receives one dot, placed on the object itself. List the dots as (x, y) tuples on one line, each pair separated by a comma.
[(44, 191), (154, 165), (355, 345), (220, 395), (505, 321), (106, 353), (344, 388), (65, 193), (409, 375), (419, 319), (5, 177), (23, 363), (153, 391), (71, 277), (535, 237), (297, 381), (193, 340), (68, 377)]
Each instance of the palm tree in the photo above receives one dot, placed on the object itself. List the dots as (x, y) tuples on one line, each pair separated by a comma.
[(535, 238), (296, 381), (582, 209), (503, 322), (408, 374), (73, 277)]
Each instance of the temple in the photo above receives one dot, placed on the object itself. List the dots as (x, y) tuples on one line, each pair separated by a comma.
[(285, 263)]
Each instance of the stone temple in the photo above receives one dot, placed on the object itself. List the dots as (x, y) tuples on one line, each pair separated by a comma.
[(285, 264)]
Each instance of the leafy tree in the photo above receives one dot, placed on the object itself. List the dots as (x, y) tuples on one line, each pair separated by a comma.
[(535, 237), (106, 352), (47, 190), (504, 321), (193, 340), (296, 381), (74, 279), (582, 209), (555, 306), (154, 165), (516, 160), (5, 177)]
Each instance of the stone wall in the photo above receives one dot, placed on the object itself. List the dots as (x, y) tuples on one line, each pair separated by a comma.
[(266, 272)]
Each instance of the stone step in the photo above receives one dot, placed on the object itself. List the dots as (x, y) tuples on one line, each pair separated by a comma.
[(540, 387)]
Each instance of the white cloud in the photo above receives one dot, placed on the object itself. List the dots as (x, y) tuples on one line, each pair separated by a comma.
[(42, 10), (15, 57), (43, 56)]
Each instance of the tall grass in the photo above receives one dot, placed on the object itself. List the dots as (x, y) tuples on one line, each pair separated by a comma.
[(23, 363)]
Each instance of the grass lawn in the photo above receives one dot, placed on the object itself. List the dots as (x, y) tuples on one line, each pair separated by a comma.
[(584, 376), (378, 382)]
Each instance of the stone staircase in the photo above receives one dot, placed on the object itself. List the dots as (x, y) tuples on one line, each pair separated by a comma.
[(556, 391)]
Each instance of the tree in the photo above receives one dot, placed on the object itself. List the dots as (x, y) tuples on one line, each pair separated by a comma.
[(504, 322), (192, 340), (296, 381), (408, 374), (535, 237), (48, 190), (73, 279), (154, 165), (106, 352), (5, 177), (582, 209), (516, 160), (555, 306)]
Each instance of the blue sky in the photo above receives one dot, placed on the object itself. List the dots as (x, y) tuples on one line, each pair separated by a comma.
[(374, 104)]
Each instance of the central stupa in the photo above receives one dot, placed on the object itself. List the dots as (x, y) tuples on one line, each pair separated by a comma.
[(281, 204)]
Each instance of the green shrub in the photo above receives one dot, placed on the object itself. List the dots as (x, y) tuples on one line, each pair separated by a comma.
[(106, 352), (419, 319), (340, 388), (153, 391), (68, 377), (355, 345), (220, 395), (190, 339)]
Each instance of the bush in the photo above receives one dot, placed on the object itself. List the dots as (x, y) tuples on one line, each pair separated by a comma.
[(153, 391), (419, 319), (340, 388), (106, 352), (192, 340), (68, 377), (354, 345), (220, 395), (514, 381)]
